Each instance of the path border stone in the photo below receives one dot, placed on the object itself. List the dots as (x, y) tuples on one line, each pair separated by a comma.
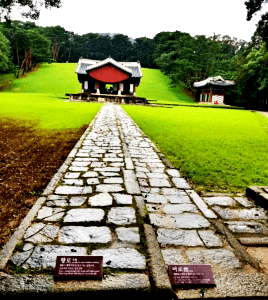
[(9, 247)]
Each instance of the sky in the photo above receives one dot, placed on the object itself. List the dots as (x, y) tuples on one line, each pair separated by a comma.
[(146, 18)]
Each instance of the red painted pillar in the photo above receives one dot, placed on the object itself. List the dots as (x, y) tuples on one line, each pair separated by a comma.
[(134, 89), (119, 89), (98, 87), (210, 98)]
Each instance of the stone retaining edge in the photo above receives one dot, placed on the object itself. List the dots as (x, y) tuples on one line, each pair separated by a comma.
[(45, 284), (18, 234), (259, 196), (9, 247), (238, 248), (157, 267)]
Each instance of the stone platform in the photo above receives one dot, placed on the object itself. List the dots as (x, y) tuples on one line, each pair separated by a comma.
[(116, 196)]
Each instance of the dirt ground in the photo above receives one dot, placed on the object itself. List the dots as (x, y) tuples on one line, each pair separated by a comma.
[(28, 161)]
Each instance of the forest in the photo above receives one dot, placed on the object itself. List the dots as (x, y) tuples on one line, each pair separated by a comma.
[(182, 57)]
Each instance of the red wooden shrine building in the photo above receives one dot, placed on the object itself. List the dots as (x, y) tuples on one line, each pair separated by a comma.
[(108, 76), (212, 90)]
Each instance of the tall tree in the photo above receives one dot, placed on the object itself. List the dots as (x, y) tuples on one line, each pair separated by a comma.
[(4, 53), (254, 6), (121, 47), (33, 7), (143, 50)]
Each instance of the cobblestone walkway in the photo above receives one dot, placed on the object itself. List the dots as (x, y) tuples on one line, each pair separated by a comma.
[(117, 181)]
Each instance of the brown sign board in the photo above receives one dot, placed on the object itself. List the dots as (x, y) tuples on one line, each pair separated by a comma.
[(78, 267), (190, 275)]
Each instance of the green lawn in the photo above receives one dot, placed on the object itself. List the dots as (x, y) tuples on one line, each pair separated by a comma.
[(156, 86), (216, 149), (57, 79), (40, 97)]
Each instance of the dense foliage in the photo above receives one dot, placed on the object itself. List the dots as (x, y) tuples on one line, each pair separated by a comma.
[(32, 8)]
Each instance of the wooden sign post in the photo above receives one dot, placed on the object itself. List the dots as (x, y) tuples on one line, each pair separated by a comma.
[(190, 275), (78, 267)]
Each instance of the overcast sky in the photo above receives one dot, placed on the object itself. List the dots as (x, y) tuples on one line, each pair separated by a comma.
[(141, 18)]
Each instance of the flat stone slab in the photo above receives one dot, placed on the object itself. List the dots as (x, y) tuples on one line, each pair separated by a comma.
[(173, 257), (174, 199), (153, 207), (78, 169), (91, 181), (244, 201), (50, 214), (209, 238), (102, 199), (77, 201), (131, 182), (180, 183), (45, 256), (113, 159), (246, 227), (254, 241), (184, 221), (84, 215), (81, 163), (158, 182), (41, 233), (173, 173), (56, 203), (173, 209), (124, 258), (73, 181), (121, 215), (218, 257), (72, 175), (73, 190), (106, 188), (222, 201), (98, 164), (173, 192), (90, 174), (155, 198), (109, 174), (107, 169), (247, 214), (178, 237), (157, 175), (80, 234), (130, 235), (141, 175), (113, 180), (129, 163), (122, 198)]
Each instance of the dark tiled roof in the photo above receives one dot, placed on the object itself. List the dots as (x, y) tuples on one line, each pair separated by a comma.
[(135, 71), (217, 81), (83, 64)]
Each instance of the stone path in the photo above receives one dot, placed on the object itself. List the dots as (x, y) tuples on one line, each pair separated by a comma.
[(115, 183)]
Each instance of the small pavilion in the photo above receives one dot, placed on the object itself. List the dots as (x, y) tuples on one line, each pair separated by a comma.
[(212, 90), (108, 76)]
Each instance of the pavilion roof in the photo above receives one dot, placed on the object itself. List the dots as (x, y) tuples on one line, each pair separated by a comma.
[(214, 81), (84, 65)]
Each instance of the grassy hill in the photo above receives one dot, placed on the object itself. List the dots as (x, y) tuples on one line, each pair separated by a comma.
[(156, 86), (217, 149), (53, 79), (40, 97)]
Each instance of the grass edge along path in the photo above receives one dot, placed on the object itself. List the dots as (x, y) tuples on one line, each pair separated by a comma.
[(217, 150)]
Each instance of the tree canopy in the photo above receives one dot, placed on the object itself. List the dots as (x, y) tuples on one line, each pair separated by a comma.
[(185, 59), (254, 6), (32, 7)]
